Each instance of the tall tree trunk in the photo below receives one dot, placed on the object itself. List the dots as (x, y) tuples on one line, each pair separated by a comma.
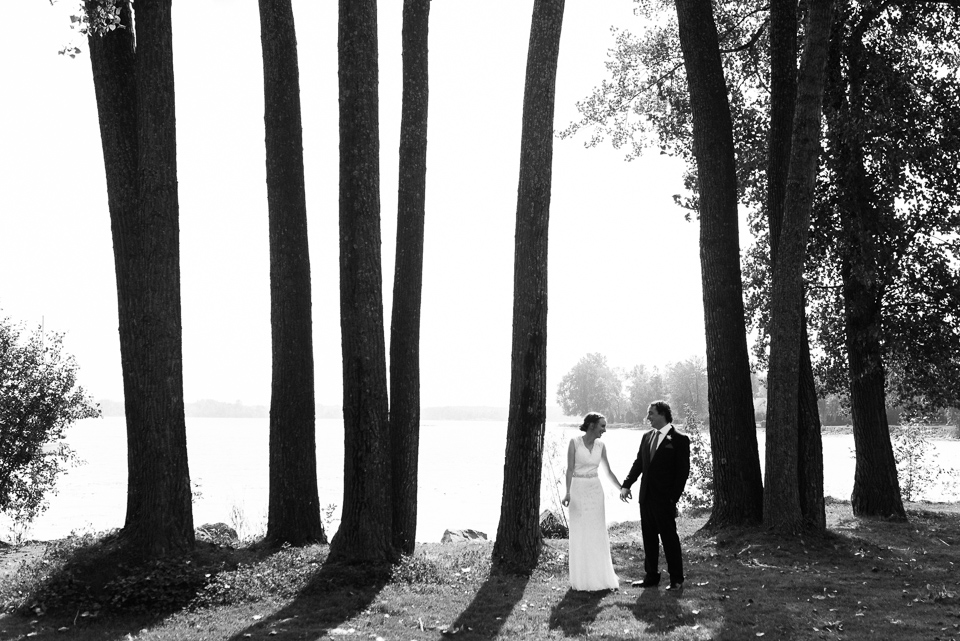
[(408, 276), (365, 533), (518, 543), (134, 85), (876, 488), (783, 96), (810, 443), (738, 489), (114, 66), (782, 489), (294, 510)]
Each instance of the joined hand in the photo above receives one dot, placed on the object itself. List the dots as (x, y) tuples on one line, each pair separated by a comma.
[(625, 494)]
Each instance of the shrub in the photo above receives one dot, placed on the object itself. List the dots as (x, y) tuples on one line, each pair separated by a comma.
[(917, 468), (39, 399), (699, 492), (554, 477)]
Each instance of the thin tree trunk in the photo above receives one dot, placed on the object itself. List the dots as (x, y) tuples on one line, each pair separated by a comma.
[(517, 547), (738, 489), (294, 509), (783, 96), (408, 276), (782, 490), (365, 533)]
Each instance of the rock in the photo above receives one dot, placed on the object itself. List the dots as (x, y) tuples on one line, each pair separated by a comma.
[(219, 533), (459, 536), (552, 526)]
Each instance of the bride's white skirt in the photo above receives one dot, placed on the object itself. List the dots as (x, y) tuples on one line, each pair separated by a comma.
[(590, 566)]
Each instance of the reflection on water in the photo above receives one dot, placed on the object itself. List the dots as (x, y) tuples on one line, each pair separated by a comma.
[(460, 480)]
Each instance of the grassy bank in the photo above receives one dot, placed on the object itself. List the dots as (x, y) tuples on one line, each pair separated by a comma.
[(865, 579)]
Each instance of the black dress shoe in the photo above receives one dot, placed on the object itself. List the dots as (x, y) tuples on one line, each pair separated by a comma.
[(676, 587), (646, 583)]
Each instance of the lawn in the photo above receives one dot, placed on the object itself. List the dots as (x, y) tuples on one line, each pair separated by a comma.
[(865, 579)]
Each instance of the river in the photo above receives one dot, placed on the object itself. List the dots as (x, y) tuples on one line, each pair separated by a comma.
[(460, 479)]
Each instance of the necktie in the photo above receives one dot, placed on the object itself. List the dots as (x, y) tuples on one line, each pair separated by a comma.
[(654, 443)]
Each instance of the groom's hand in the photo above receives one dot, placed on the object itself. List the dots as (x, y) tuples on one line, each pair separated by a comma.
[(625, 494)]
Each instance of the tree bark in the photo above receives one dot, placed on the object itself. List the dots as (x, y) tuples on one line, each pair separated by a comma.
[(810, 443), (782, 490), (408, 276), (876, 488), (134, 84), (365, 533), (294, 509), (783, 96), (518, 543), (738, 489)]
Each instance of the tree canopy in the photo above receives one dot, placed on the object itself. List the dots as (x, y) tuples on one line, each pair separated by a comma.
[(909, 81)]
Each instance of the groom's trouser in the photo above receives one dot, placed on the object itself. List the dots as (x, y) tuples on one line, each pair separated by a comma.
[(658, 522)]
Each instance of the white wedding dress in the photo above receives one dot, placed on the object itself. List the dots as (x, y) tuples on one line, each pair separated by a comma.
[(590, 566)]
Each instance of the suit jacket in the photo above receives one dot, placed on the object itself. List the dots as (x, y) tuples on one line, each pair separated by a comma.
[(664, 477)]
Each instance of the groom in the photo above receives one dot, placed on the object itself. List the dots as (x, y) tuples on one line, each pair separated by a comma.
[(664, 462)]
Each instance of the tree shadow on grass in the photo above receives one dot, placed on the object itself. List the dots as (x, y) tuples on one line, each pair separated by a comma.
[(90, 584), (91, 581), (575, 611), (335, 594), (490, 608)]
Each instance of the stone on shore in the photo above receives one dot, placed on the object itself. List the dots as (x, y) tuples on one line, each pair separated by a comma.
[(460, 536), (219, 533), (552, 526)]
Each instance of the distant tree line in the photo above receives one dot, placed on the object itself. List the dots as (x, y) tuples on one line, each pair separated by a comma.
[(209, 408), (623, 395)]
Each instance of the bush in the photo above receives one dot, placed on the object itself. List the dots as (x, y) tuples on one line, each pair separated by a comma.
[(699, 492), (39, 399), (554, 479), (916, 461)]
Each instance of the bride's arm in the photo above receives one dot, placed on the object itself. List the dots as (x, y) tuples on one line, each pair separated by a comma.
[(606, 466), (571, 462)]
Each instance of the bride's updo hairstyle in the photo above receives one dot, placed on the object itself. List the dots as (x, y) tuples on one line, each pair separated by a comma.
[(590, 419)]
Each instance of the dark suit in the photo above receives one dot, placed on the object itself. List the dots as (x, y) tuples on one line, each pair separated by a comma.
[(662, 480)]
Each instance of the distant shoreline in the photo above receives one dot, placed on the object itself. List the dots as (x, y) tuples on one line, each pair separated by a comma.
[(931, 431), (207, 408)]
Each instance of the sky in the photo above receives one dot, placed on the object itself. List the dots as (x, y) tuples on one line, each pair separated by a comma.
[(624, 272)]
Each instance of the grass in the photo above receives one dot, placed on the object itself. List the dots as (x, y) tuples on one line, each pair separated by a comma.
[(866, 579)]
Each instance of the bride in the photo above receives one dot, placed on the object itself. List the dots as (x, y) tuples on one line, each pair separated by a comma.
[(590, 566)]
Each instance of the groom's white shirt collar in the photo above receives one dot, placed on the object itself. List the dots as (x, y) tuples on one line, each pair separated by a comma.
[(665, 429)]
